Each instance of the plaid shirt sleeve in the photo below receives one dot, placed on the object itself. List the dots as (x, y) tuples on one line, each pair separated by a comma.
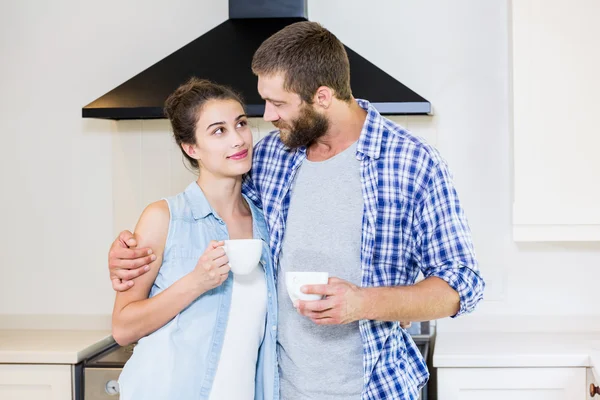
[(443, 245)]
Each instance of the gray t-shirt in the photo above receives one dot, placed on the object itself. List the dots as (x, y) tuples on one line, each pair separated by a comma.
[(323, 233)]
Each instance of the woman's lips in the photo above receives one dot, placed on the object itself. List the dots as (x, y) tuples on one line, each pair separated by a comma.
[(238, 156)]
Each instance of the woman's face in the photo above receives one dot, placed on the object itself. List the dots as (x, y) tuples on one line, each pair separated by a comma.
[(223, 139)]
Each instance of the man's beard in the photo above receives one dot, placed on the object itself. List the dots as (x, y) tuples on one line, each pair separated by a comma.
[(304, 130)]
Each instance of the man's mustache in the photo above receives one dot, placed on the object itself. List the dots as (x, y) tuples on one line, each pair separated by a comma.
[(281, 125)]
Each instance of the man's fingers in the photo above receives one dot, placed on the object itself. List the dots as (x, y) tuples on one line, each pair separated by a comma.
[(129, 274), (314, 306), (405, 325), (131, 264), (326, 290), (317, 309), (129, 254), (121, 286), (126, 239), (316, 314), (323, 321), (138, 253)]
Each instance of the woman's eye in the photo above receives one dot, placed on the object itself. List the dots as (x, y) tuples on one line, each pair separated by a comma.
[(219, 131), (242, 123)]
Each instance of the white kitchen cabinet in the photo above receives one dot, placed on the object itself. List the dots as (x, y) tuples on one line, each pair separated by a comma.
[(511, 384), (35, 382), (555, 64)]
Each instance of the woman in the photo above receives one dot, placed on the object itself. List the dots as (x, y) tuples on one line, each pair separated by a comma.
[(201, 330)]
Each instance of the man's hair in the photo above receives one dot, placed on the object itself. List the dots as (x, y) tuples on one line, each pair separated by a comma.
[(308, 56)]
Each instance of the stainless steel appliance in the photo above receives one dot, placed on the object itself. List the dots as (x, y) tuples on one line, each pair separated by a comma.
[(101, 373)]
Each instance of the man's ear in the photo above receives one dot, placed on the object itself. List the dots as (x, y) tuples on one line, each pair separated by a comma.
[(323, 97)]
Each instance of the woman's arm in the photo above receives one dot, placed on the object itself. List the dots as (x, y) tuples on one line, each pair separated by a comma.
[(134, 314)]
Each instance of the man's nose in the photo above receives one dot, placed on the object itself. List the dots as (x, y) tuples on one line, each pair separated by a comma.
[(270, 114)]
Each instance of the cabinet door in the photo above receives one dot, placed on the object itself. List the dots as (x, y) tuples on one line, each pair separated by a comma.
[(512, 384), (35, 382), (555, 64)]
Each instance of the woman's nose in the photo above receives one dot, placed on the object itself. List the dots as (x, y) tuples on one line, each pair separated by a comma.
[(238, 140)]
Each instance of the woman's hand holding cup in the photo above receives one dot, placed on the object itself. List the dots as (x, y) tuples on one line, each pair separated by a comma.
[(212, 268)]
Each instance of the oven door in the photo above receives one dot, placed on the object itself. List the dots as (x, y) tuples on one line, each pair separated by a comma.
[(101, 383), (101, 372)]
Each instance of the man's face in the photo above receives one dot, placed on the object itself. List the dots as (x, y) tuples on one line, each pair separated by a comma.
[(300, 124)]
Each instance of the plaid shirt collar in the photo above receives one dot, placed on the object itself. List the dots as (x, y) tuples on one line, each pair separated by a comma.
[(369, 143)]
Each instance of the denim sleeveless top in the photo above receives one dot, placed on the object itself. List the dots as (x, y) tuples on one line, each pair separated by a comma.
[(179, 360)]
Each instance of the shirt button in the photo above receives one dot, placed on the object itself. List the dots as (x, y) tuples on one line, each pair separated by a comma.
[(274, 327), (269, 294)]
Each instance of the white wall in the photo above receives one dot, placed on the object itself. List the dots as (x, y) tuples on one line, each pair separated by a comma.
[(56, 205), (453, 53)]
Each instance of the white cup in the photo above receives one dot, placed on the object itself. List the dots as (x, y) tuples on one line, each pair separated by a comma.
[(295, 280), (244, 254)]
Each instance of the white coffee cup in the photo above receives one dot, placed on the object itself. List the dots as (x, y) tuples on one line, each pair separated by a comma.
[(295, 280), (244, 254)]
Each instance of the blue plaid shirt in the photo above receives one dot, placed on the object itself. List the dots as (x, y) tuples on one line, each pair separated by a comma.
[(412, 221)]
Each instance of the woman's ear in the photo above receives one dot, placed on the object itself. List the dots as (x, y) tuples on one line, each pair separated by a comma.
[(190, 150)]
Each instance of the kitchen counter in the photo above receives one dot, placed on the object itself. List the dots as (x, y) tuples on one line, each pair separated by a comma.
[(51, 346), (486, 349), (520, 356), (512, 349), (516, 341)]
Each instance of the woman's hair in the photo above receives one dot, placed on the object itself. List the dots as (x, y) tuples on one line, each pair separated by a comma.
[(184, 105)]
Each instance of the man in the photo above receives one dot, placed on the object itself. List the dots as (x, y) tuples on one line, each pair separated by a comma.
[(347, 191)]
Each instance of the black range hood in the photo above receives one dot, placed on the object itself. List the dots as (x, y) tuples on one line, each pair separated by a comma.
[(224, 55)]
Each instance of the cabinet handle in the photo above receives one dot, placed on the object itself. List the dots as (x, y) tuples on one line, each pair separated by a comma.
[(594, 390)]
